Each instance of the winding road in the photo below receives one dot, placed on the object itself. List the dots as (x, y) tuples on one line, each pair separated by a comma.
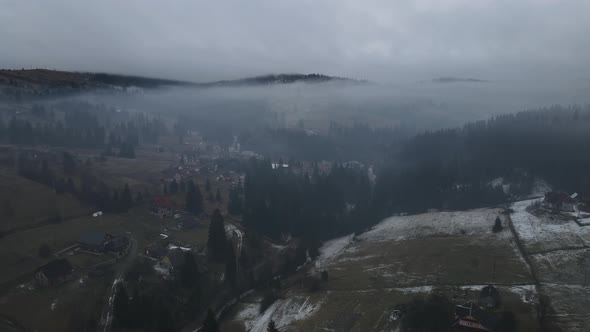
[(106, 317)]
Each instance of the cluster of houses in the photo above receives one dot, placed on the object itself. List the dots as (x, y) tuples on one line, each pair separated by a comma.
[(170, 257), (162, 206), (61, 270), (476, 316), (561, 201), (101, 242), (558, 200)]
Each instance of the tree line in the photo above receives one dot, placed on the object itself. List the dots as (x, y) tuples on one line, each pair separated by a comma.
[(311, 206), (452, 168)]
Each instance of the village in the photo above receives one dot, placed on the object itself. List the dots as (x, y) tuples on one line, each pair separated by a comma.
[(160, 232), (87, 252), (514, 263)]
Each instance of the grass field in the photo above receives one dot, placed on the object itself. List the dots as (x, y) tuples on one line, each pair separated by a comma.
[(19, 251), (33, 203), (61, 308), (401, 259)]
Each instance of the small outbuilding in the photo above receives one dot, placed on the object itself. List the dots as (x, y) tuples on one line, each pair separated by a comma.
[(473, 317), (54, 273), (558, 200), (489, 297), (95, 241)]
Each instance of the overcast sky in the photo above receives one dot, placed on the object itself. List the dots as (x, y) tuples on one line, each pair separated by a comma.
[(381, 40)]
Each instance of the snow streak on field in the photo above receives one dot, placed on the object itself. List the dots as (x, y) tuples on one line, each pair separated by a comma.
[(472, 223), (542, 234), (282, 312), (398, 260)]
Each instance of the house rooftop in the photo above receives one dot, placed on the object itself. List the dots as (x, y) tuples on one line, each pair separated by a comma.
[(56, 268), (92, 237), (487, 319), (556, 197)]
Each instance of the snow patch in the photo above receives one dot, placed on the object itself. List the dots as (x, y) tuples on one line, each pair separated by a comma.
[(546, 233), (473, 222), (330, 250), (282, 312), (416, 290)]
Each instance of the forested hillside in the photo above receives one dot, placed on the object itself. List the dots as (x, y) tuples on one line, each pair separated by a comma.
[(452, 168)]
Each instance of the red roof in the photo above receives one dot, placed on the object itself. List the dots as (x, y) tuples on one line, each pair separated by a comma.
[(163, 201)]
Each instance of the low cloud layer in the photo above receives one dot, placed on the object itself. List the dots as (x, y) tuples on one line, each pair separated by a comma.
[(379, 40)]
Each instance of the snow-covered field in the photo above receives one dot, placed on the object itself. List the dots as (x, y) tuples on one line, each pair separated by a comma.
[(472, 223), (283, 312), (541, 234), (570, 303), (399, 259), (563, 266)]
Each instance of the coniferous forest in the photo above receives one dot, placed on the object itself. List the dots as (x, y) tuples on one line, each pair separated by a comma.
[(450, 169)]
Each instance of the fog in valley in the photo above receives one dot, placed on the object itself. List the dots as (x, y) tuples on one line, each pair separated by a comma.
[(294, 165)]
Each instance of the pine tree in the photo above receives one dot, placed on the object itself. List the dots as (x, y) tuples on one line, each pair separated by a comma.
[(272, 327), (193, 199), (230, 265), (497, 225), (217, 241), (198, 200), (173, 186), (69, 163), (121, 307), (207, 185), (218, 195), (189, 271), (234, 205), (115, 201), (138, 197), (126, 199)]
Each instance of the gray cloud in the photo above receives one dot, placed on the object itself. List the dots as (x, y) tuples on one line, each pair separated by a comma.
[(380, 40)]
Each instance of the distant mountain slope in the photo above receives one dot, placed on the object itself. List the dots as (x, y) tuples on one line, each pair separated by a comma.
[(448, 79), (56, 78), (80, 79), (31, 83), (281, 79)]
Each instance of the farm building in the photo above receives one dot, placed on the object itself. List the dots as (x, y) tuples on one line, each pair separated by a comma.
[(95, 241), (54, 273), (473, 317), (489, 297), (117, 244), (162, 206), (557, 200)]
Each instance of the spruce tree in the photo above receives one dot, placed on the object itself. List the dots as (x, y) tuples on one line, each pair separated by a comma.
[(216, 243), (173, 186), (126, 199), (189, 271), (193, 199), (230, 265), (207, 185), (497, 225), (121, 307), (218, 195)]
